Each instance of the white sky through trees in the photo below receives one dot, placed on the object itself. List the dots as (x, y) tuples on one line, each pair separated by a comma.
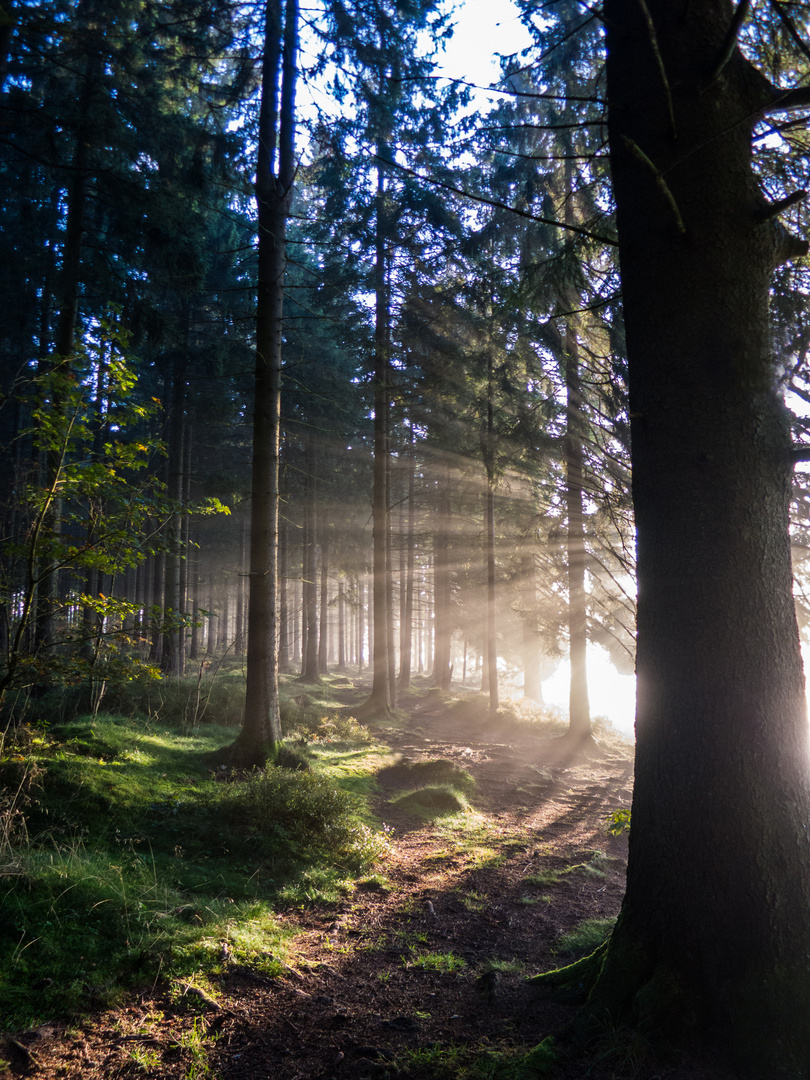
[(483, 30)]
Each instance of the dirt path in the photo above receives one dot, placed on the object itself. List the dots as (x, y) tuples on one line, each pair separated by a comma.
[(436, 960)]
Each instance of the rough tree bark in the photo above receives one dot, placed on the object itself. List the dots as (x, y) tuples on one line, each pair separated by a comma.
[(714, 936), (261, 728)]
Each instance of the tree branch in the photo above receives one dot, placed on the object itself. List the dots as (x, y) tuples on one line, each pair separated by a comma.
[(771, 210), (498, 205), (786, 100), (637, 152), (730, 40), (660, 61), (787, 22)]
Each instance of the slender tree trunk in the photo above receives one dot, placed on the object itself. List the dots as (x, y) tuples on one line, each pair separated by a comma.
[(491, 650), (185, 545), (309, 586), (532, 683), (361, 619), (239, 637), (211, 621), (380, 699), (297, 628), (172, 658), (196, 604), (406, 577), (158, 578), (284, 603), (389, 562), (341, 607), (579, 713), (261, 728), (323, 643), (441, 585)]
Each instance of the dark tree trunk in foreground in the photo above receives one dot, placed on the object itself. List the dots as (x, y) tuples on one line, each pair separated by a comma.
[(261, 728), (714, 934)]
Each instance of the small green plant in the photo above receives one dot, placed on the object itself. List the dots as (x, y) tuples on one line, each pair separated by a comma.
[(442, 963), (585, 938), (146, 1058), (192, 1044), (595, 867), (504, 967), (619, 822)]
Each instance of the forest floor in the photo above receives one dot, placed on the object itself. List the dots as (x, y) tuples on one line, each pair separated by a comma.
[(423, 972)]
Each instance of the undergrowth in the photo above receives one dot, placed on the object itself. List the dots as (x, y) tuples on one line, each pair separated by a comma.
[(124, 858)]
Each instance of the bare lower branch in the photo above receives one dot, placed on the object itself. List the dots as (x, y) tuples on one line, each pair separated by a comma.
[(637, 152), (730, 40), (775, 208), (660, 62)]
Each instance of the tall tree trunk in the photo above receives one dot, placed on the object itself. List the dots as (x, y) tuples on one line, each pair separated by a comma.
[(261, 728), (491, 641), (185, 545), (532, 682), (441, 585), (323, 642), (713, 937), (309, 584), (48, 588), (341, 612), (239, 635), (361, 620), (172, 659), (579, 710), (284, 601), (196, 604), (380, 698)]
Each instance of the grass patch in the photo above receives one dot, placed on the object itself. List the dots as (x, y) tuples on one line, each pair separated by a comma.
[(585, 938), (596, 867), (463, 1063), (440, 963), (123, 859), (432, 802), (435, 788), (435, 772)]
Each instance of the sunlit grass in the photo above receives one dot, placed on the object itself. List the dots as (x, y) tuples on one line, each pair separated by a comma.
[(138, 863)]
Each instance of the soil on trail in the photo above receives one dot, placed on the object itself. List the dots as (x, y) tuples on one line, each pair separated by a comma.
[(438, 958)]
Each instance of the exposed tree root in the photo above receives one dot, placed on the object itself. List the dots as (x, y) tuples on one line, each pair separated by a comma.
[(573, 983)]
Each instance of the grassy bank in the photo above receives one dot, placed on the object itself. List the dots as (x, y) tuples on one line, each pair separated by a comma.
[(126, 858)]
